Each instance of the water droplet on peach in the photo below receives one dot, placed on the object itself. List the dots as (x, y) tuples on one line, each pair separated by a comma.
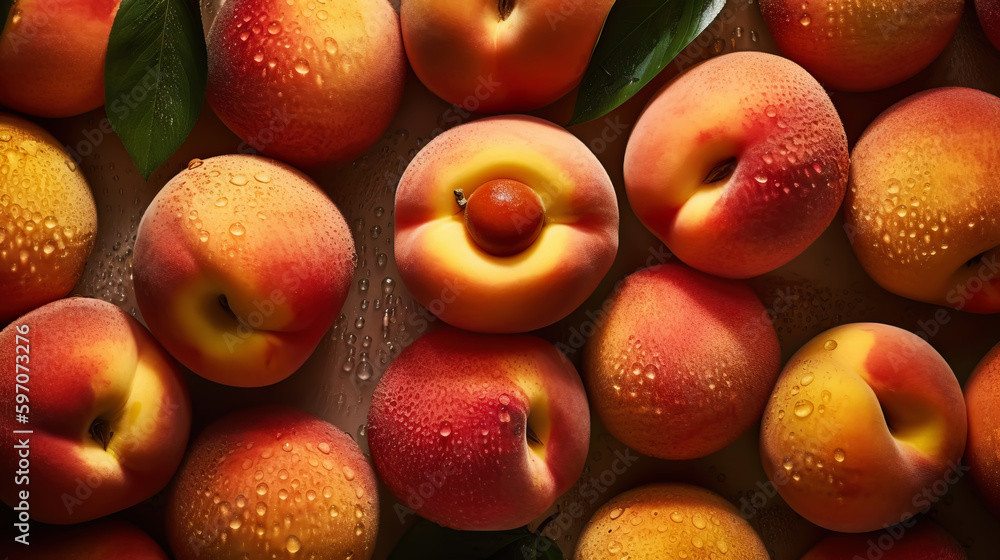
[(293, 544), (839, 455), (830, 345), (803, 408)]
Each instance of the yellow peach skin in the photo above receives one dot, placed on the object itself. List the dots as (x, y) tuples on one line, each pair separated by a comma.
[(683, 363), (303, 82), (924, 199), (273, 481), (864, 428), (982, 398), (862, 45), (468, 287), (241, 265), (501, 56), (667, 521), (52, 56), (738, 164), (47, 218), (108, 408)]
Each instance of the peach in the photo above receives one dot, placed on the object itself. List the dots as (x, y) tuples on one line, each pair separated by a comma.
[(48, 219), (665, 521), (107, 408), (862, 46), (241, 265), (501, 56), (738, 164), (105, 539), (479, 432), (504, 224), (682, 363), (273, 480), (865, 428), (989, 16), (52, 56), (303, 82), (924, 541), (922, 211), (982, 399)]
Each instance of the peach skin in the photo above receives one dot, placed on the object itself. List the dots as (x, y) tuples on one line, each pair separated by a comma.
[(738, 164), (241, 265), (303, 82), (479, 432), (924, 200), (501, 56), (504, 224), (104, 539), (989, 16), (107, 407), (982, 399), (865, 425), (47, 219), (862, 45), (906, 541), (666, 521), (690, 381), (273, 482), (52, 56)]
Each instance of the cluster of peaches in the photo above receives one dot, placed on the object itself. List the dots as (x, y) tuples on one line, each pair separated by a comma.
[(503, 226)]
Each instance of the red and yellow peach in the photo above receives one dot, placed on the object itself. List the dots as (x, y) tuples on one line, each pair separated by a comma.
[(909, 541), (48, 219), (52, 56), (501, 56), (738, 164), (303, 82), (924, 200), (519, 254), (865, 423), (862, 46), (691, 380), (273, 480), (108, 408), (661, 521), (241, 265), (479, 432), (982, 399)]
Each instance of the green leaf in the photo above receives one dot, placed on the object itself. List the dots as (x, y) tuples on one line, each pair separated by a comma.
[(154, 78), (5, 8), (428, 541), (639, 39)]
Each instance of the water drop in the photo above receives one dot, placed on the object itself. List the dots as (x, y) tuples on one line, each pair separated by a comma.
[(771, 111), (445, 430), (293, 544), (839, 455), (195, 163), (238, 180), (274, 28), (616, 513), (676, 517), (302, 66), (830, 345), (222, 201), (803, 408), (331, 45), (261, 489), (805, 20), (807, 379)]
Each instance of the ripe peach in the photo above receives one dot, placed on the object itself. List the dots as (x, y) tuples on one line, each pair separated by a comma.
[(107, 407), (501, 56), (241, 265), (923, 541), (47, 218), (52, 56), (738, 164), (665, 521), (864, 428), (479, 432), (273, 480), (922, 211), (526, 249), (303, 82), (989, 16), (685, 350), (982, 398), (104, 539), (862, 46)]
